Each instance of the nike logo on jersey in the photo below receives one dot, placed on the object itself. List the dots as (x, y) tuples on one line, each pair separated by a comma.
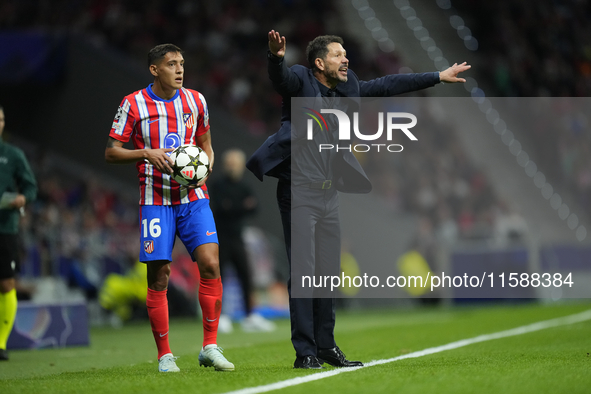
[(152, 121), (211, 321), (163, 335), (210, 233)]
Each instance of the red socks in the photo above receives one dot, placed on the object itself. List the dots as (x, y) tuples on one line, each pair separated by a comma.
[(157, 304), (210, 299)]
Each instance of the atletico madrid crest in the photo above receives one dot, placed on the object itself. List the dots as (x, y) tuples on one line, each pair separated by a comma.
[(189, 120), (148, 246)]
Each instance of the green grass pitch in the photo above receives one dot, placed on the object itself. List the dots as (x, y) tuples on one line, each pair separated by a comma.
[(553, 360)]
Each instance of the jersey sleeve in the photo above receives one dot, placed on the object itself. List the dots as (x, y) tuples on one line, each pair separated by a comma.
[(203, 120), (27, 185), (124, 122)]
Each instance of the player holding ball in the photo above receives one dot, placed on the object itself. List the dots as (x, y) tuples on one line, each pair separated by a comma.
[(157, 120)]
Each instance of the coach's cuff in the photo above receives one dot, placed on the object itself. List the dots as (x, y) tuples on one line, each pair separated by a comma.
[(273, 58)]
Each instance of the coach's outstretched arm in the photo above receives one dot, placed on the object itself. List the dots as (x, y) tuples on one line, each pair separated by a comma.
[(394, 84), (450, 75)]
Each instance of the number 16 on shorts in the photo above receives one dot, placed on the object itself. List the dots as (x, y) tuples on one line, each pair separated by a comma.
[(156, 236)]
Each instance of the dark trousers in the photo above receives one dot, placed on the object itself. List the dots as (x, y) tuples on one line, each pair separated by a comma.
[(312, 238), (233, 251)]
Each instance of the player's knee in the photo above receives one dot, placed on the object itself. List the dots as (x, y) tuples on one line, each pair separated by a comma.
[(209, 267), (159, 284), (158, 275)]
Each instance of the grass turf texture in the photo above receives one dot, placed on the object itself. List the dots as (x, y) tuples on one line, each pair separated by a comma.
[(554, 360)]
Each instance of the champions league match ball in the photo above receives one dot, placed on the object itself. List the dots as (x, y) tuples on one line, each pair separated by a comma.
[(191, 164)]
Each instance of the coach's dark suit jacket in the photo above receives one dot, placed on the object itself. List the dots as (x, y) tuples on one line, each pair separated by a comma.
[(299, 81)]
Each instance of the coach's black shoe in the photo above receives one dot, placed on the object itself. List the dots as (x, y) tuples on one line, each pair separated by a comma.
[(3, 355), (307, 362), (336, 358)]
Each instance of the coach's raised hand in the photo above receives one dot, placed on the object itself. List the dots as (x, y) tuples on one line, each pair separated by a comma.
[(450, 75), (276, 43)]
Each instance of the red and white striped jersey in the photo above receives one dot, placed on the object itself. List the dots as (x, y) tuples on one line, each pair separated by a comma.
[(152, 123)]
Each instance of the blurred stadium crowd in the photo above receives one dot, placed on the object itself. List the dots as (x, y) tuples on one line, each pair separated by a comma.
[(77, 222), (542, 51), (224, 41)]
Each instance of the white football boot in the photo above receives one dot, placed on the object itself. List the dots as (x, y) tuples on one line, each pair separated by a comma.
[(167, 363), (211, 356)]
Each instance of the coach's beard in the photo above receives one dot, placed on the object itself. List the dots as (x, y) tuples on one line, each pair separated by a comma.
[(342, 73)]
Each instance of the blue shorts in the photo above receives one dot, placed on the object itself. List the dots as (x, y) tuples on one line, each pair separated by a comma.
[(160, 224)]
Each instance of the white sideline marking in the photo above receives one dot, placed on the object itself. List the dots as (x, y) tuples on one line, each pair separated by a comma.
[(561, 321)]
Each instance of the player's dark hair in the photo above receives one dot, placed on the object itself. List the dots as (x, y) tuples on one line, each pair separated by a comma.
[(159, 51), (318, 48)]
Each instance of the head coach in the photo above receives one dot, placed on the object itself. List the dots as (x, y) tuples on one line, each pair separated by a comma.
[(307, 195)]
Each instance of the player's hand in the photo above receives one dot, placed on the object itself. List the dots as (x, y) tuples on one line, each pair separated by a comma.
[(198, 185), (160, 159), (276, 43), (451, 74)]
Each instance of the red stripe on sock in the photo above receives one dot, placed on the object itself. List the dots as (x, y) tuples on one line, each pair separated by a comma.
[(210, 299), (157, 305)]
